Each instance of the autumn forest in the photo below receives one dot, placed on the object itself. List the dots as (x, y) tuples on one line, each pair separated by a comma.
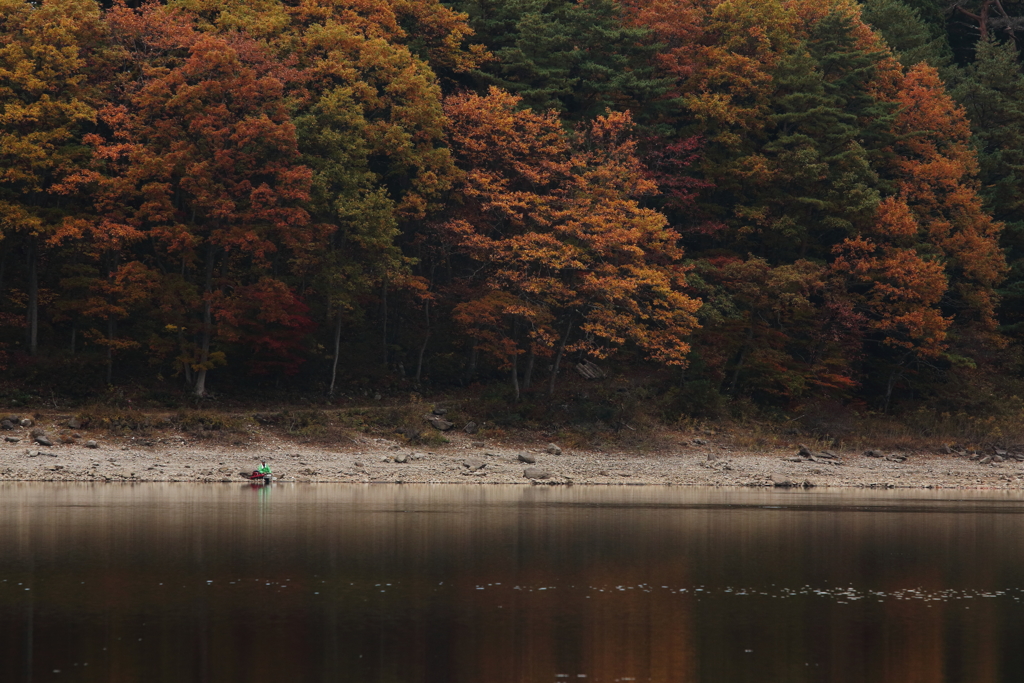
[(767, 201)]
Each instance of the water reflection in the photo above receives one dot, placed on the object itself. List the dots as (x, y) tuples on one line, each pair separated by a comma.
[(173, 582)]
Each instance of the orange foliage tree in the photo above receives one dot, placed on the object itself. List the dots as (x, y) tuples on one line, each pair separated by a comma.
[(562, 255), (202, 158)]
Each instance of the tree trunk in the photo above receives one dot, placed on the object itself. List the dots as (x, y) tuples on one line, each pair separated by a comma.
[(739, 361), (186, 365), (204, 354), (32, 315), (384, 317), (528, 375), (558, 358), (110, 351), (515, 375), (423, 347), (474, 354), (337, 351)]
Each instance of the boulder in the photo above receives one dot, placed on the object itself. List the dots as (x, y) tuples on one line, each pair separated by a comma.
[(27, 422), (6, 424), (43, 440), (553, 449), (536, 473), (91, 444), (527, 458), (401, 458), (439, 423)]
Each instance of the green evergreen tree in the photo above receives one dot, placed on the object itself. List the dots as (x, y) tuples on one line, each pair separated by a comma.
[(578, 58), (912, 38), (826, 135), (992, 91)]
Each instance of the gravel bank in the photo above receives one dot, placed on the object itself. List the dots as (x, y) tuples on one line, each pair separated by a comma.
[(470, 460)]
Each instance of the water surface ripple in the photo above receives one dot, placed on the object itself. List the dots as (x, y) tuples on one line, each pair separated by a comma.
[(496, 584)]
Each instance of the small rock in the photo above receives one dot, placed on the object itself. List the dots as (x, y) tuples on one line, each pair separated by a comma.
[(536, 473), (357, 464), (471, 428), (796, 458), (986, 460), (874, 453), (808, 484), (698, 442), (74, 423), (401, 457), (805, 451), (43, 440), (975, 456), (6, 424), (11, 439), (998, 458), (27, 422), (712, 457), (91, 444), (439, 423), (527, 458), (782, 481), (440, 411), (31, 454), (473, 465), (477, 444)]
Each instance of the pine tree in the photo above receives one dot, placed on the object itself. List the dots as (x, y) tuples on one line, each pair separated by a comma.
[(826, 130), (991, 90), (579, 58), (910, 37)]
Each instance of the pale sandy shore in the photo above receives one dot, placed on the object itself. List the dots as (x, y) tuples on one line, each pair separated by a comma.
[(478, 460)]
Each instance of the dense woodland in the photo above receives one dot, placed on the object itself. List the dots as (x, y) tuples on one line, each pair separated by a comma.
[(766, 201)]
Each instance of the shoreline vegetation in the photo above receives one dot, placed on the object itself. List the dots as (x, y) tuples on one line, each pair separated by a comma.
[(309, 446), (694, 209)]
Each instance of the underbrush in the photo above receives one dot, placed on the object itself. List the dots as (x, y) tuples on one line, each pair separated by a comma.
[(633, 412)]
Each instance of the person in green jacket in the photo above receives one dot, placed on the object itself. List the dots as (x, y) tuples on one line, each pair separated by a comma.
[(262, 471)]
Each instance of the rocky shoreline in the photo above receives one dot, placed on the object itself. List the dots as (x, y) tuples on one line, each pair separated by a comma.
[(29, 453)]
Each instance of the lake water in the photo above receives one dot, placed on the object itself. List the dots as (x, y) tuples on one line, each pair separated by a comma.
[(496, 584)]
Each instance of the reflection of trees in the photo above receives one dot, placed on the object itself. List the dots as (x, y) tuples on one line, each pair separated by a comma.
[(315, 540)]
